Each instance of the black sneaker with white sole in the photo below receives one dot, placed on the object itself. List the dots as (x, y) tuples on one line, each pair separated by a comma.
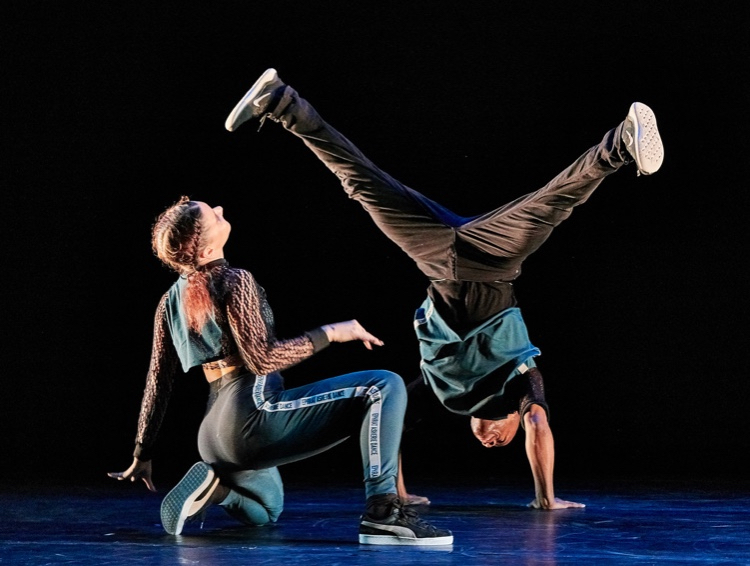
[(387, 521), (642, 139), (259, 102)]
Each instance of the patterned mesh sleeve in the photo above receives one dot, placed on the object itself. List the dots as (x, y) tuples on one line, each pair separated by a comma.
[(252, 323), (159, 384), (534, 394)]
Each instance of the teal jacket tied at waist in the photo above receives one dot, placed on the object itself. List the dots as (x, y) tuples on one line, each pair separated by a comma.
[(457, 367)]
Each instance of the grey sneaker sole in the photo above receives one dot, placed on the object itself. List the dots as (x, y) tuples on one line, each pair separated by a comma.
[(642, 139), (238, 115), (188, 497)]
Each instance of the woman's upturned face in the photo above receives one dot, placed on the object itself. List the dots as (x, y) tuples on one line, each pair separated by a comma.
[(215, 228)]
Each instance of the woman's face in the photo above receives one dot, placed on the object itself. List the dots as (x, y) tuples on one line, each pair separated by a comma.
[(215, 228)]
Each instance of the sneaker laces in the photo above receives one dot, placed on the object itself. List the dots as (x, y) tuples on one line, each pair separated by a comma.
[(263, 121), (412, 517)]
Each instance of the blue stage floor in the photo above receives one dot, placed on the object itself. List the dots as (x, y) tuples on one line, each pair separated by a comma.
[(628, 522)]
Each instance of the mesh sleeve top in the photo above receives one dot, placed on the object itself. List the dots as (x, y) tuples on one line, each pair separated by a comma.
[(244, 325)]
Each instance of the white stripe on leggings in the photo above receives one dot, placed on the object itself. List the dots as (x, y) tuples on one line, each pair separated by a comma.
[(349, 392)]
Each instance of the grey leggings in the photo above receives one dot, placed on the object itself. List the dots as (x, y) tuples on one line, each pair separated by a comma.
[(253, 424), (256, 497)]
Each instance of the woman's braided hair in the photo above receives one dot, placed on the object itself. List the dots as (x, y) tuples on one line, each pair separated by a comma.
[(177, 239)]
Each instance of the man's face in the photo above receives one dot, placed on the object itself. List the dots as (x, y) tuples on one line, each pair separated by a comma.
[(493, 434)]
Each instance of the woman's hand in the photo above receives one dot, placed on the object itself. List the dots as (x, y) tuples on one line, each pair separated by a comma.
[(350, 330), (137, 471)]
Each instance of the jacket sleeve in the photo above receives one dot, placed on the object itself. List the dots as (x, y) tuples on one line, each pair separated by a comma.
[(251, 320), (159, 384)]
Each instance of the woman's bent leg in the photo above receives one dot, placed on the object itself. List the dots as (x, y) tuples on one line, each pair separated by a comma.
[(256, 497), (294, 424)]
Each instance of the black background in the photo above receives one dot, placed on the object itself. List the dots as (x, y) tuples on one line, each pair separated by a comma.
[(111, 111)]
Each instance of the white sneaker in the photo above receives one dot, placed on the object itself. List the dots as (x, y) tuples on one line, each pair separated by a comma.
[(642, 139), (259, 101)]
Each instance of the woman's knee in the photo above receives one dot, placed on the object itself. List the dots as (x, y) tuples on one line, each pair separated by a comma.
[(391, 382)]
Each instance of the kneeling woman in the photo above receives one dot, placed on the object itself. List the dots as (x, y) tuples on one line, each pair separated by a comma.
[(217, 316)]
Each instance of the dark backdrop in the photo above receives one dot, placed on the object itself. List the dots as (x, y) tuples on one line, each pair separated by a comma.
[(111, 111)]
